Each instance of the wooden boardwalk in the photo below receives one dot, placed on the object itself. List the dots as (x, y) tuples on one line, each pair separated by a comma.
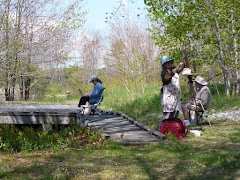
[(122, 128), (38, 114), (119, 127)]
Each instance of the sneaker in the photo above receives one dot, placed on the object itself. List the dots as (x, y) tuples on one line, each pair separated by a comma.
[(187, 122)]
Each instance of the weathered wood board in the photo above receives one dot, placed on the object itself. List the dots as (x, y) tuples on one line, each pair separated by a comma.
[(38, 114), (120, 129)]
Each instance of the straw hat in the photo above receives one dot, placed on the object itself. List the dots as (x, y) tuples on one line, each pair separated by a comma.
[(200, 80)]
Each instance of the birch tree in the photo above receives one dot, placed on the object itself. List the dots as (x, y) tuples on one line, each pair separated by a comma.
[(34, 35), (179, 23)]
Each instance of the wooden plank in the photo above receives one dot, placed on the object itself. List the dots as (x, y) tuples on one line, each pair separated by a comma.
[(121, 130), (38, 114), (37, 119)]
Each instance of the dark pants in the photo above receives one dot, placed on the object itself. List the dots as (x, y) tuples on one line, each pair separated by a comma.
[(167, 115), (83, 100)]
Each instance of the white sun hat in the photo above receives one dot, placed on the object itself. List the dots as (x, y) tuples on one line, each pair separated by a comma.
[(200, 80)]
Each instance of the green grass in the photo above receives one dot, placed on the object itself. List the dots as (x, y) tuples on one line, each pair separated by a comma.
[(28, 139), (147, 107), (205, 157), (211, 156), (144, 106)]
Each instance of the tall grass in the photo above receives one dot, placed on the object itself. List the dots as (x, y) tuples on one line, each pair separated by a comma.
[(138, 105)]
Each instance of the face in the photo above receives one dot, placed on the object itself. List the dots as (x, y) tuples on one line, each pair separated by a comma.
[(198, 85), (94, 82), (168, 65)]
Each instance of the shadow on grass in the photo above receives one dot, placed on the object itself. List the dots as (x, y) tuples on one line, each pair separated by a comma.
[(206, 157), (157, 161)]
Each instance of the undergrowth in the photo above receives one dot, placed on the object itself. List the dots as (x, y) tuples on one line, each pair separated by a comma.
[(26, 139)]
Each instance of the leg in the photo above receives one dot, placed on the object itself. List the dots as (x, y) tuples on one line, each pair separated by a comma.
[(185, 110), (185, 113), (83, 100), (167, 115)]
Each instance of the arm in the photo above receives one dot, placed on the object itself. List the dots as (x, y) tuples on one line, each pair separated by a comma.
[(97, 90), (166, 76), (204, 98), (179, 68)]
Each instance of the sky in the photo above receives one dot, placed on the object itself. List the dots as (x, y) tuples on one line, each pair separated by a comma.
[(97, 10)]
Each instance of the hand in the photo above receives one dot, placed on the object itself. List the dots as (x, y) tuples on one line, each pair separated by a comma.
[(180, 67), (87, 94)]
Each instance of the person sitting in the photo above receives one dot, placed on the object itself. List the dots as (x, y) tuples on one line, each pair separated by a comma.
[(95, 95), (201, 101)]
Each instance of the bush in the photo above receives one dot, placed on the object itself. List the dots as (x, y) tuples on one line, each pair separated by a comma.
[(27, 139)]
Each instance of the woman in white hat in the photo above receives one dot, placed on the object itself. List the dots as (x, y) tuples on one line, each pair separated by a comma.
[(202, 99)]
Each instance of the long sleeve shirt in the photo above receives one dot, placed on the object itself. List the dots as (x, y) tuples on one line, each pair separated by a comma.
[(203, 96), (166, 76), (95, 96)]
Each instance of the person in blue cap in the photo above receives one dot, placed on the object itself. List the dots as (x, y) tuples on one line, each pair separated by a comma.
[(170, 91), (94, 96)]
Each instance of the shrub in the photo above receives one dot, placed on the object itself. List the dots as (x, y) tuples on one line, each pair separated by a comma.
[(27, 139)]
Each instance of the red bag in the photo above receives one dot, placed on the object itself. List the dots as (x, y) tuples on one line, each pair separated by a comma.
[(174, 126)]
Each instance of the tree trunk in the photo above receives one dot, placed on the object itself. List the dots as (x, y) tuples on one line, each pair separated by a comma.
[(27, 87), (235, 61), (221, 55), (7, 59), (235, 49), (21, 86)]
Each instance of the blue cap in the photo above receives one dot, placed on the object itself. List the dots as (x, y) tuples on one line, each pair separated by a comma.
[(166, 59)]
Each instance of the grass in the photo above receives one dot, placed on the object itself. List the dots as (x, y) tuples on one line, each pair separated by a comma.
[(205, 157), (211, 156), (144, 107), (28, 139)]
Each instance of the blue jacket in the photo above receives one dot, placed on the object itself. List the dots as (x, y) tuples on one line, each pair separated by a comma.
[(96, 94)]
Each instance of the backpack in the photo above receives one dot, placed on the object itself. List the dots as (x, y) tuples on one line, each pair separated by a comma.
[(174, 126)]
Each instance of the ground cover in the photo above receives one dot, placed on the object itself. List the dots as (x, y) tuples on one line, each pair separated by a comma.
[(211, 156)]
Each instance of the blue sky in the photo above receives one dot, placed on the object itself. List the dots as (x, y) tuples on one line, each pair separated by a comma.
[(97, 10)]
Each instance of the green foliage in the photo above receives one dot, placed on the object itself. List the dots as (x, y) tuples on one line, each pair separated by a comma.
[(137, 106), (204, 28), (73, 17), (204, 157), (172, 138), (28, 139)]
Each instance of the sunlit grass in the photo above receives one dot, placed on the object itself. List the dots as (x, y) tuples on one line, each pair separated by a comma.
[(205, 157)]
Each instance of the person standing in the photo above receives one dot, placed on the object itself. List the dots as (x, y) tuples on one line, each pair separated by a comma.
[(170, 91)]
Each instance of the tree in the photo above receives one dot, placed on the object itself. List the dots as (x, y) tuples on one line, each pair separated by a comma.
[(33, 36), (180, 23), (130, 60)]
